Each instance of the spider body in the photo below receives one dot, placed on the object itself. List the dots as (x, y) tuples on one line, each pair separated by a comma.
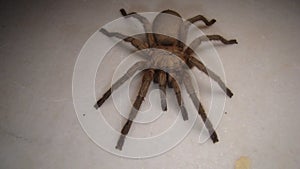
[(165, 60), (168, 60)]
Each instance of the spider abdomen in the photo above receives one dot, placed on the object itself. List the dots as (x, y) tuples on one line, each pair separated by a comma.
[(165, 25)]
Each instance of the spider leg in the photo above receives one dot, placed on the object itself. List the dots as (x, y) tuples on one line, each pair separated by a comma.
[(195, 62), (131, 71), (146, 81), (162, 81), (186, 24), (179, 99), (135, 42), (195, 43), (191, 91), (201, 18), (146, 24)]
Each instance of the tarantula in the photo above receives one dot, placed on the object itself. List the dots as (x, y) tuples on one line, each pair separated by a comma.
[(163, 66)]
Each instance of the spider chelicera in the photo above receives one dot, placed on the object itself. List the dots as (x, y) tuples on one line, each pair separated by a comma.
[(167, 66)]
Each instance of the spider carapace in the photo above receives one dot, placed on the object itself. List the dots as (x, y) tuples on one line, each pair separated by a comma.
[(167, 60)]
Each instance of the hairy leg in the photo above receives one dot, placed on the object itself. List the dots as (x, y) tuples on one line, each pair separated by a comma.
[(146, 81), (191, 91), (195, 62), (179, 99), (201, 18), (195, 43), (131, 71), (135, 42), (146, 24), (185, 26), (162, 82)]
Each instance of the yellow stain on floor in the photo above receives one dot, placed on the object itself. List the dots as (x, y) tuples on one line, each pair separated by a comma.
[(242, 163)]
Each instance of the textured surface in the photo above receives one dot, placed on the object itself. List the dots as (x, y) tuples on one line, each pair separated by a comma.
[(39, 44)]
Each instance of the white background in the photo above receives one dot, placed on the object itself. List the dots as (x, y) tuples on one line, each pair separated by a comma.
[(41, 40)]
